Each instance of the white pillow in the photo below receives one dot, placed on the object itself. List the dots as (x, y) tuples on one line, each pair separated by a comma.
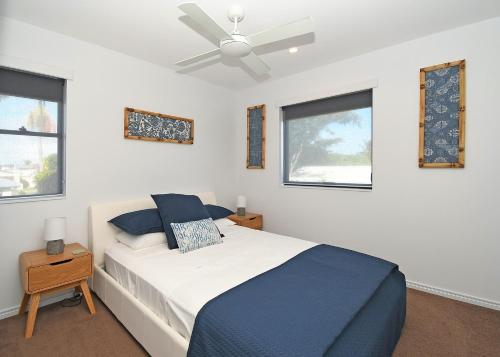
[(223, 223), (142, 241)]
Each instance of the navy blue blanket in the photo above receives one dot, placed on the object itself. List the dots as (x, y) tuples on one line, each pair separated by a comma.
[(299, 308)]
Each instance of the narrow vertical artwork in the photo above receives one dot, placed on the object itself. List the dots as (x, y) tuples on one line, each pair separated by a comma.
[(442, 116), (256, 138)]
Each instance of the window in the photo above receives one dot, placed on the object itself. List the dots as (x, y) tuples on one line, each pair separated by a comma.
[(328, 142), (31, 135)]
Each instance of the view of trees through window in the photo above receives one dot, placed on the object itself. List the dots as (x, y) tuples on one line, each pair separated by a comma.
[(330, 148), (28, 147)]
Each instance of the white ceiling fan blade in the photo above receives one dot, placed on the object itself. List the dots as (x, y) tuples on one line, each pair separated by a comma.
[(197, 58), (258, 66), (293, 29), (206, 22)]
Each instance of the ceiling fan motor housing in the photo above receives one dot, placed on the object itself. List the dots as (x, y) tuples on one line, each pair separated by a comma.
[(237, 46)]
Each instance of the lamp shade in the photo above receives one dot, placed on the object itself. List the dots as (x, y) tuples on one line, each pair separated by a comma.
[(55, 228), (241, 202)]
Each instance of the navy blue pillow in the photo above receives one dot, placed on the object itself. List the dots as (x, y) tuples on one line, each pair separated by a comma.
[(175, 208), (218, 212), (139, 222)]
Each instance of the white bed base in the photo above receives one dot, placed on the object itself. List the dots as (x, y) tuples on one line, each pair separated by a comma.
[(154, 334)]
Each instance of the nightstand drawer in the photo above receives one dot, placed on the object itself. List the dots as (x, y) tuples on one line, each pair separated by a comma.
[(52, 275), (254, 222)]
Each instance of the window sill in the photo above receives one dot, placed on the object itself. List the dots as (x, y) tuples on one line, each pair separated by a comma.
[(327, 187), (8, 200)]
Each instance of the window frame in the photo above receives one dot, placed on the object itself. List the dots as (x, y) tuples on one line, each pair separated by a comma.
[(320, 185), (60, 135)]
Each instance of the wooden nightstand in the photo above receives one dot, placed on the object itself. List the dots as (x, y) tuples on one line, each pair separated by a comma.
[(249, 220), (43, 274)]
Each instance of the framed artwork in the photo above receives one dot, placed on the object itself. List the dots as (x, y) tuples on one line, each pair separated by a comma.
[(143, 125), (442, 116), (256, 137)]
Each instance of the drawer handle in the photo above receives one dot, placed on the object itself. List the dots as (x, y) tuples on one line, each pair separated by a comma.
[(251, 219), (61, 262)]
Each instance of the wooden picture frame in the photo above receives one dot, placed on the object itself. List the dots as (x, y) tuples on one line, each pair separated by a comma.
[(442, 116), (151, 126), (256, 137)]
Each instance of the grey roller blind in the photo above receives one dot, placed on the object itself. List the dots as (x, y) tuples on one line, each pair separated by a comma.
[(29, 85), (336, 104)]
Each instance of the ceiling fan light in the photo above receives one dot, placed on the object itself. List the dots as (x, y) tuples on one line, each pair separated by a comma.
[(238, 46)]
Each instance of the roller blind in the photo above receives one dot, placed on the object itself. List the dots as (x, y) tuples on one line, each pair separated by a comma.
[(336, 104), (29, 85)]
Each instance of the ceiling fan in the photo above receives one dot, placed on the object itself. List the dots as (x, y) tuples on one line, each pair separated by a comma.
[(235, 44)]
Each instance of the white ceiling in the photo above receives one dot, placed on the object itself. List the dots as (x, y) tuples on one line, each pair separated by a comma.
[(156, 31)]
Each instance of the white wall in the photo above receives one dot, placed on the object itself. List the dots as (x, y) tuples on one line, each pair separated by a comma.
[(439, 225), (101, 164)]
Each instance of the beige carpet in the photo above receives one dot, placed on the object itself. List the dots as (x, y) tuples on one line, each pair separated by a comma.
[(435, 326)]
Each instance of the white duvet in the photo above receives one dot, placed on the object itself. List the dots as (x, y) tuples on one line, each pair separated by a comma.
[(175, 286)]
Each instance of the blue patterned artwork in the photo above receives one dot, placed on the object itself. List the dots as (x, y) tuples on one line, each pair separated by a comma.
[(442, 116), (142, 125), (256, 136)]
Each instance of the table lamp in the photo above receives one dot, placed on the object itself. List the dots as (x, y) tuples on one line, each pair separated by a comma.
[(241, 204), (54, 232)]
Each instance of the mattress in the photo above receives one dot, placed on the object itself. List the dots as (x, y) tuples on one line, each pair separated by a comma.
[(176, 286)]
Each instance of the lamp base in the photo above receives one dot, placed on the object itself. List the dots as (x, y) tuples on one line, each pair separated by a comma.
[(55, 247), (240, 211)]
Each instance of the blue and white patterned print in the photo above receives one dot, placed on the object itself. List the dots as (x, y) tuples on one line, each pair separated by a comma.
[(196, 234), (442, 108), (255, 134), (152, 126)]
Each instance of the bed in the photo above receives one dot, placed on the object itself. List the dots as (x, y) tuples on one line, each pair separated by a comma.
[(165, 311)]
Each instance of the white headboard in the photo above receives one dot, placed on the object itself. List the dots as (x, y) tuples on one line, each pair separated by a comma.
[(102, 233)]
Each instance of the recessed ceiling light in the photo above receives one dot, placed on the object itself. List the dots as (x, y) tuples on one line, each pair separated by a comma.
[(293, 50)]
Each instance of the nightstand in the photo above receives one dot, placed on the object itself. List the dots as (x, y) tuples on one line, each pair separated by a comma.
[(44, 274), (249, 220)]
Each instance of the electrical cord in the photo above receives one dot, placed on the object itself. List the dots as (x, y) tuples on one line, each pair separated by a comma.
[(75, 300)]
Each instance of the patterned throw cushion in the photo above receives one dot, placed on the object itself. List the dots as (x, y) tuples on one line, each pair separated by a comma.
[(196, 234)]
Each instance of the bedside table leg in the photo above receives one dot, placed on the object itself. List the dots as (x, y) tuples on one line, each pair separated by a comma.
[(88, 298), (24, 303), (30, 324)]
